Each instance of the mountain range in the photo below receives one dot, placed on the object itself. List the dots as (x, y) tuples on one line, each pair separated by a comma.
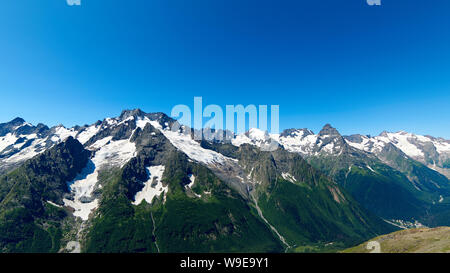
[(134, 184)]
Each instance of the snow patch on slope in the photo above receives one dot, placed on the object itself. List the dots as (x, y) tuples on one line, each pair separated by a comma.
[(299, 141), (62, 133), (83, 186), (152, 187), (115, 153), (255, 137), (27, 152), (53, 204), (88, 133), (442, 146), (190, 147), (7, 140), (141, 122), (192, 179), (191, 184), (289, 177), (402, 141), (370, 168), (110, 153)]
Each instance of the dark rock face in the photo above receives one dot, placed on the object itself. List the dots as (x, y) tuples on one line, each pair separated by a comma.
[(18, 126), (25, 193), (330, 140), (8, 127), (152, 149), (292, 132), (354, 138), (329, 130), (54, 168), (131, 113)]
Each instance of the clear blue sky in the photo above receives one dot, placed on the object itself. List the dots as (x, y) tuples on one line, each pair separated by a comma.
[(364, 69)]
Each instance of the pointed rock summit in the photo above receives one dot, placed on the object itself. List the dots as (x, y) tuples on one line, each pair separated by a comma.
[(17, 121), (328, 130), (132, 113)]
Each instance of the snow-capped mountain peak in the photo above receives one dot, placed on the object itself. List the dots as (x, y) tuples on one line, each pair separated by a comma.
[(253, 136), (328, 130), (20, 140), (433, 152), (304, 141)]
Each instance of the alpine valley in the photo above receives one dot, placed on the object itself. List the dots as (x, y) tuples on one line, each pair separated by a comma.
[(134, 184)]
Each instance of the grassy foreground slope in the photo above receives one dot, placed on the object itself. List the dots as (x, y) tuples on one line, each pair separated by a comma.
[(421, 240)]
